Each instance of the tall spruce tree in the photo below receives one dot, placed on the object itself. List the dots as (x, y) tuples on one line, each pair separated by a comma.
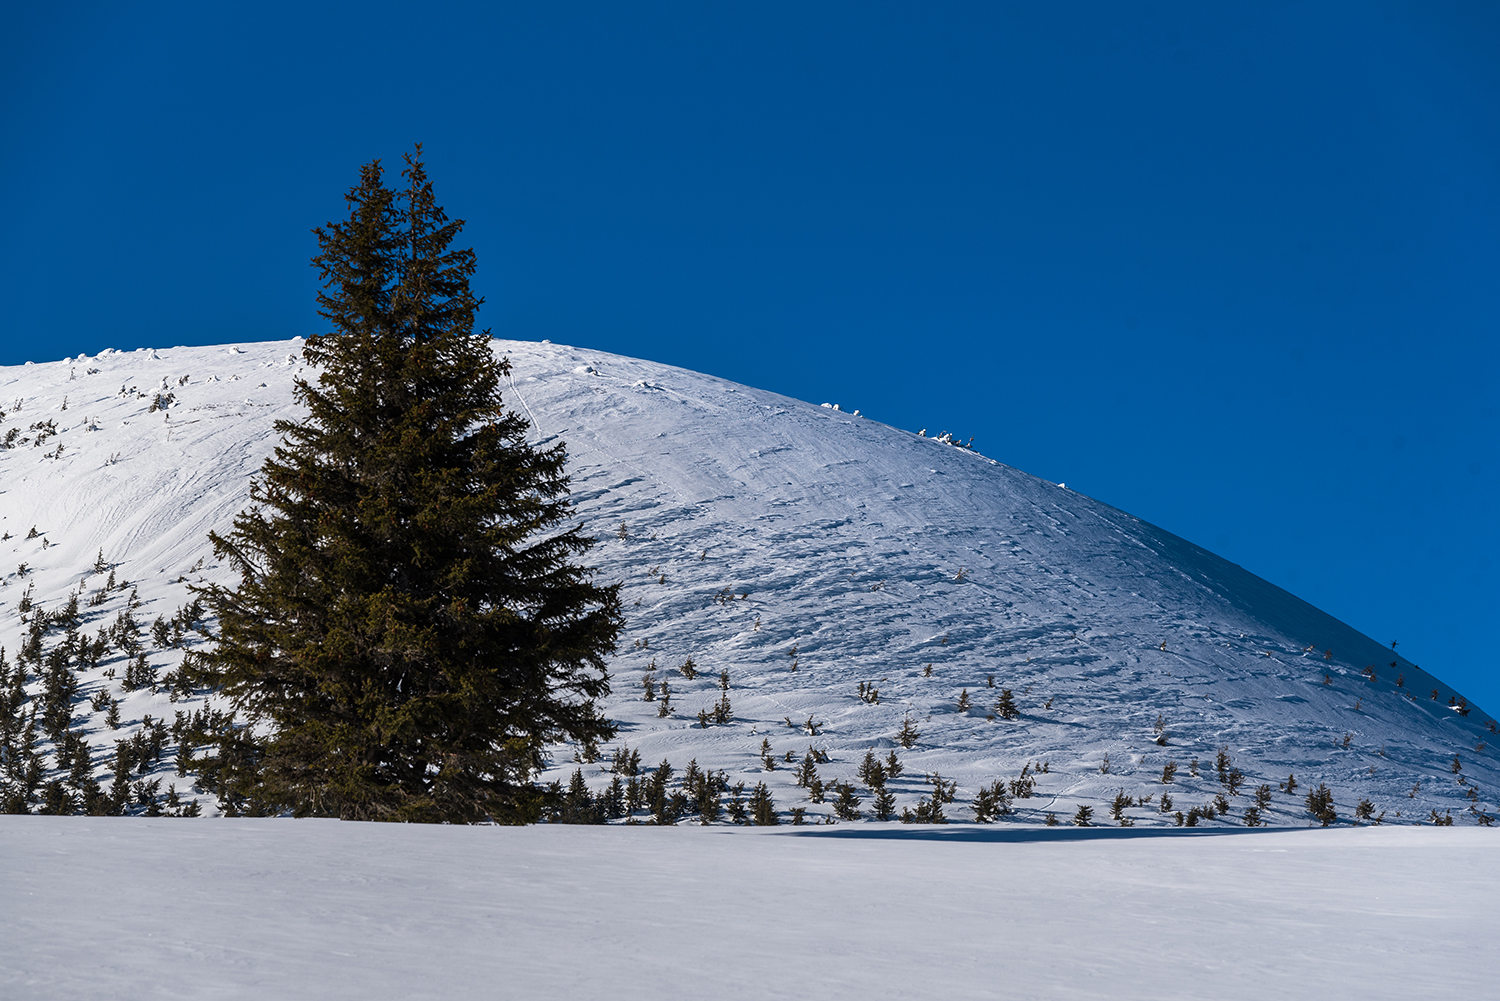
[(409, 628)]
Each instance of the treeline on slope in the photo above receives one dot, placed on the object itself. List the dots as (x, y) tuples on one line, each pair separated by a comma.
[(47, 762), (636, 796)]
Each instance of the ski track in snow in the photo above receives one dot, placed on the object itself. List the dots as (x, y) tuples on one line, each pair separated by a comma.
[(873, 551)]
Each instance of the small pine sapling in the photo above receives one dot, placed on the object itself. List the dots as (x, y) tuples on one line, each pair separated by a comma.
[(767, 759), (1118, 806), (1252, 817), (1005, 705), (846, 805), (1320, 804), (885, 804), (614, 800), (991, 802), (737, 811), (1364, 810), (893, 766), (870, 771), (908, 735), (763, 807), (808, 773), (1263, 796), (689, 669), (627, 762), (1193, 768), (1168, 772), (665, 709), (963, 701), (1084, 816), (1166, 803), (693, 777)]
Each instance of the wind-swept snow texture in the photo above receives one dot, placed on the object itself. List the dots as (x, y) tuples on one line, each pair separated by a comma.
[(812, 554), (138, 909)]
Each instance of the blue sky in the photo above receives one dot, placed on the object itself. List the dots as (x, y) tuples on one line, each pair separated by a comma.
[(1232, 268)]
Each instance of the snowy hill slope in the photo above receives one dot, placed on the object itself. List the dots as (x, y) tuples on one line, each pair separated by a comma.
[(813, 554)]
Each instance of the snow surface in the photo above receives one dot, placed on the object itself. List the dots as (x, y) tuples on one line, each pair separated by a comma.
[(137, 908), (745, 526)]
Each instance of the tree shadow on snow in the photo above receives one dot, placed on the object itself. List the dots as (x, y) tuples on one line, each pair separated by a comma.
[(1027, 834)]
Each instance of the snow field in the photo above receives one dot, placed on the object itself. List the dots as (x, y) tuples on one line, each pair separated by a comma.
[(744, 525), (146, 909)]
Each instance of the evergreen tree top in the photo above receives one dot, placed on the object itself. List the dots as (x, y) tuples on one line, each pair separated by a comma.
[(410, 628)]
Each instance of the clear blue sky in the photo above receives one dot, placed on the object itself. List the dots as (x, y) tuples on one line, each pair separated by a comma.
[(1232, 268)]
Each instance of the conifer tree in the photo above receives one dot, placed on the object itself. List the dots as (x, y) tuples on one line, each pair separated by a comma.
[(991, 802), (846, 805), (767, 759), (763, 807), (409, 629), (871, 771), (1320, 804), (808, 773), (893, 766)]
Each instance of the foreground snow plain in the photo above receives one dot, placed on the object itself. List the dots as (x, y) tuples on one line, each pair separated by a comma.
[(156, 908)]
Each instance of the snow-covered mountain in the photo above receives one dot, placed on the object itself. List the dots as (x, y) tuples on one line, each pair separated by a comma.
[(814, 554)]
